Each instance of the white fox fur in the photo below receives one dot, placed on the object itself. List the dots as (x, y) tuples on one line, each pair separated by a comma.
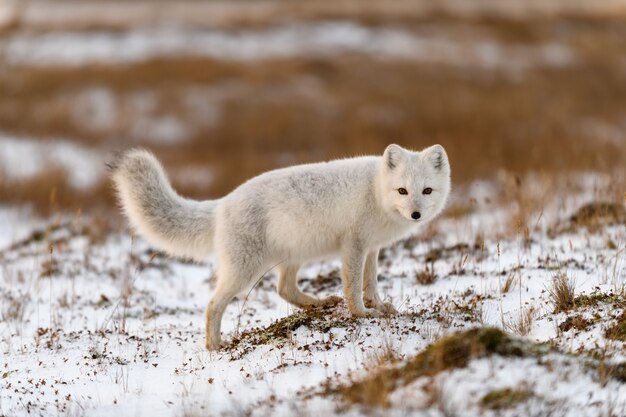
[(349, 207)]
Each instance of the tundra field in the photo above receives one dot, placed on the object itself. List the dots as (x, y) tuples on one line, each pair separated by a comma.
[(512, 302)]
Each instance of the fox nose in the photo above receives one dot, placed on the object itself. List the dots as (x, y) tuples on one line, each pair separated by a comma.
[(416, 215)]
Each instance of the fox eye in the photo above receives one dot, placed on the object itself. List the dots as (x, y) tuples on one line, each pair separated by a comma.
[(427, 190), (403, 191)]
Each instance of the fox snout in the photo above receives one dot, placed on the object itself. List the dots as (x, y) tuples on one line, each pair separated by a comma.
[(416, 215)]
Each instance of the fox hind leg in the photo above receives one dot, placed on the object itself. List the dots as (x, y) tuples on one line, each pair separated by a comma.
[(289, 291), (231, 280)]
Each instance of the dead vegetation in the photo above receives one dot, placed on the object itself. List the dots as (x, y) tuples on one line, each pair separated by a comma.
[(117, 15), (50, 191), (460, 250), (456, 351), (596, 298), (562, 292), (523, 324), (449, 352), (591, 305), (596, 214), (509, 282), (57, 235), (427, 276), (12, 307), (618, 330), (317, 319), (576, 321), (505, 398)]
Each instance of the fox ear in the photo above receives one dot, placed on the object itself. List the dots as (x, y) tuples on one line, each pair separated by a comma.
[(437, 156), (393, 155)]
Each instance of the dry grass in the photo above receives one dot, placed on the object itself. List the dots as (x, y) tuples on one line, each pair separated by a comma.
[(597, 214), (508, 283), (50, 190), (618, 330), (319, 319), (605, 365), (117, 15), (427, 276), (13, 308), (454, 351), (505, 398), (562, 293), (524, 323), (576, 321), (385, 356)]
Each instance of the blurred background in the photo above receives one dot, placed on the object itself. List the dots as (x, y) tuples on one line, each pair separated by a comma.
[(224, 90)]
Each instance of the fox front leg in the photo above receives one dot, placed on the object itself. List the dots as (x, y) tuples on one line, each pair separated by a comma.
[(353, 260), (370, 286)]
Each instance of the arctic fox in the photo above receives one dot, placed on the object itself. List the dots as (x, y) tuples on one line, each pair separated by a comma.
[(283, 218)]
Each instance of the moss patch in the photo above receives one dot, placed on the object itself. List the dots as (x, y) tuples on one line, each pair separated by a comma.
[(593, 300), (318, 319), (504, 398), (449, 352)]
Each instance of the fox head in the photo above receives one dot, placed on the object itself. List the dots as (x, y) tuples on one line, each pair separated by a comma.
[(414, 186)]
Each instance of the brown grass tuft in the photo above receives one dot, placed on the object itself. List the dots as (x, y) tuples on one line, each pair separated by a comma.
[(562, 293), (427, 276), (577, 322), (524, 323), (505, 398), (597, 214), (618, 330)]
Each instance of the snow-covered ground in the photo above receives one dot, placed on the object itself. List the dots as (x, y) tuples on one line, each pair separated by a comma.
[(23, 158), (311, 39), (100, 325)]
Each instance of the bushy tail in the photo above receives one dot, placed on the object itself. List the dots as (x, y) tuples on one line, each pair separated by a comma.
[(179, 226)]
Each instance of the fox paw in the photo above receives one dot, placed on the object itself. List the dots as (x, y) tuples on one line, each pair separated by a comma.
[(386, 308), (324, 302), (367, 313), (214, 345)]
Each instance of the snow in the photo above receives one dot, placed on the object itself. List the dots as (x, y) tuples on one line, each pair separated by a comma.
[(309, 39), (97, 109), (22, 158), (101, 328), (16, 225)]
